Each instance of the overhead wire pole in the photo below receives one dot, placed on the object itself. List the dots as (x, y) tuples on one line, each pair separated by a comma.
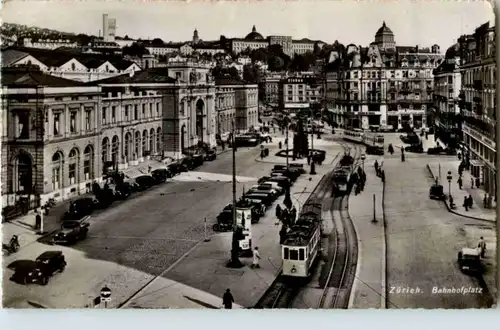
[(235, 261)]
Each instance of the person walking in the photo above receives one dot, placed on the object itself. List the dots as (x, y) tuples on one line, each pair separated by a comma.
[(256, 258), (482, 246), (459, 181), (38, 220), (228, 299), (278, 212), (466, 203), (280, 145), (471, 183), (470, 201)]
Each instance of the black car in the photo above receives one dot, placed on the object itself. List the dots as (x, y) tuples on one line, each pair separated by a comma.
[(297, 167), (416, 148), (290, 174), (283, 182), (210, 155), (176, 168), (227, 212), (144, 182), (266, 198), (71, 231), (81, 208), (46, 265), (160, 175), (374, 150), (197, 160), (259, 208), (263, 191), (435, 151)]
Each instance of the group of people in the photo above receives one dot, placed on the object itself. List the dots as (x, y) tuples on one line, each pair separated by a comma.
[(359, 179), (379, 171), (468, 201), (287, 218)]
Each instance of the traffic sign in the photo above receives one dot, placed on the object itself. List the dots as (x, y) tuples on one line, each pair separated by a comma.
[(105, 294)]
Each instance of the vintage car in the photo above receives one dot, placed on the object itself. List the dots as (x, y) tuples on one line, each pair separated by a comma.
[(416, 148), (144, 182), (374, 150), (210, 155), (436, 192), (81, 208), (283, 182), (266, 198), (71, 231), (39, 271), (469, 260), (160, 175)]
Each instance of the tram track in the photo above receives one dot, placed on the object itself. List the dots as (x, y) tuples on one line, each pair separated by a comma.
[(341, 265)]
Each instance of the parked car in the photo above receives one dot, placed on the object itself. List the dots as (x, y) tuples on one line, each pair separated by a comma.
[(81, 208), (290, 174), (297, 167), (176, 168), (283, 182), (436, 192), (259, 207), (374, 150), (144, 182), (269, 187), (71, 231), (160, 175), (210, 155), (256, 210), (469, 260), (266, 198), (416, 148), (40, 271), (435, 151), (273, 185), (270, 192)]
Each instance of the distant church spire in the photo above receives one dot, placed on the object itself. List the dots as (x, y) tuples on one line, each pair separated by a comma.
[(196, 38), (254, 29)]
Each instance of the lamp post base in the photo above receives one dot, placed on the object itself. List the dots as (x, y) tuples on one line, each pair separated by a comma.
[(235, 263), (313, 169)]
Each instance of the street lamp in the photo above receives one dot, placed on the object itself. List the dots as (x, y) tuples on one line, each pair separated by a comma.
[(363, 157), (449, 177), (313, 168)]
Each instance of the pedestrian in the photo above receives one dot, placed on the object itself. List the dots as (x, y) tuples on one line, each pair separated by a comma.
[(470, 201), (482, 246), (282, 234), (38, 220), (459, 181), (223, 145), (256, 258), (376, 165), (471, 183), (452, 205), (293, 215), (466, 203), (227, 299), (382, 176), (278, 212), (280, 145), (403, 157)]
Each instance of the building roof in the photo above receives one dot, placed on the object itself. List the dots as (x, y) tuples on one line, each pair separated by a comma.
[(453, 51), (254, 35), (12, 56), (56, 58), (152, 75), (30, 77), (384, 30)]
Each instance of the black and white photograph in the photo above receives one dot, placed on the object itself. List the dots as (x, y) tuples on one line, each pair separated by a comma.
[(248, 155)]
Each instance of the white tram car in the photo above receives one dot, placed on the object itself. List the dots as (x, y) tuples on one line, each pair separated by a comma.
[(354, 135), (302, 243), (359, 136)]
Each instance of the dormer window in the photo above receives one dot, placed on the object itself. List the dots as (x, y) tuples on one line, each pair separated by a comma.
[(73, 67)]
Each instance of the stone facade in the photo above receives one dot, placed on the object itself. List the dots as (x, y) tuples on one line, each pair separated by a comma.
[(478, 103), (382, 84)]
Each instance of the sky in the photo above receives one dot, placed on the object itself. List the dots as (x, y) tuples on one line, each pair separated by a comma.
[(414, 22)]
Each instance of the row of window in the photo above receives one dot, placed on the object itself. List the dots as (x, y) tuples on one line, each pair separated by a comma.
[(140, 111)]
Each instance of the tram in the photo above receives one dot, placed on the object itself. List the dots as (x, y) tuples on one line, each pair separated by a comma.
[(341, 179), (373, 140), (302, 243), (354, 135)]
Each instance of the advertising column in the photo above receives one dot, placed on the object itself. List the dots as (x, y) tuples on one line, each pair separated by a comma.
[(244, 221)]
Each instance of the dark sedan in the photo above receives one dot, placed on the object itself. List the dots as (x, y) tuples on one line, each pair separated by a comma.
[(81, 208), (46, 265), (71, 231)]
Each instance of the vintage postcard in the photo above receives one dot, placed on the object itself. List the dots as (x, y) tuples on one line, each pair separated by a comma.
[(248, 154)]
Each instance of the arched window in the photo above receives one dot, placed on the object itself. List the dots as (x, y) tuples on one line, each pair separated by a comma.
[(127, 146), (73, 167), (57, 169), (144, 142), (115, 148), (152, 140), (24, 175), (105, 149), (88, 162), (158, 140), (137, 144)]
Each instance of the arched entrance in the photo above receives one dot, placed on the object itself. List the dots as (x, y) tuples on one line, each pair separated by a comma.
[(152, 141), (128, 146), (73, 167), (24, 173), (183, 137), (115, 148), (199, 120), (88, 162), (105, 149)]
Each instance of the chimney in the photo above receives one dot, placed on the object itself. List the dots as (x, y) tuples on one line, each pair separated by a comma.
[(416, 49)]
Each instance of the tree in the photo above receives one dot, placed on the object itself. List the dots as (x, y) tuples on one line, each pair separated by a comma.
[(83, 39), (260, 54), (300, 141), (136, 49), (251, 73), (157, 42), (219, 71)]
